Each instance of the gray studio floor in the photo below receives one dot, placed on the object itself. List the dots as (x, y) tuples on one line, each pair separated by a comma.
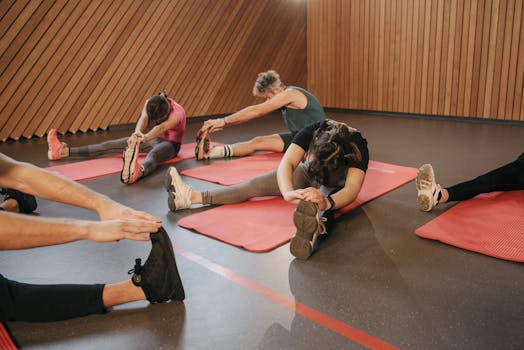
[(372, 273)]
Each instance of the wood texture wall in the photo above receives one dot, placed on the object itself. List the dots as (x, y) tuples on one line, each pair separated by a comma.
[(86, 64), (439, 57)]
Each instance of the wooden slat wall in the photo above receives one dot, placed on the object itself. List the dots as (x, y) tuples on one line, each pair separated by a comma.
[(438, 57), (80, 65)]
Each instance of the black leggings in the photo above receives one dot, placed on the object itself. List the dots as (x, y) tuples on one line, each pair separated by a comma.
[(42, 303), (158, 150), (506, 178)]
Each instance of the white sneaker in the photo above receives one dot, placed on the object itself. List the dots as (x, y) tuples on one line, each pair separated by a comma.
[(179, 196), (428, 189)]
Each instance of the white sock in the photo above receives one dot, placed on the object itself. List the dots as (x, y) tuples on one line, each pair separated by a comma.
[(221, 152)]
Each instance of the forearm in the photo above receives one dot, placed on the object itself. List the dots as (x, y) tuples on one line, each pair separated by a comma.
[(285, 177), (155, 132), (242, 116), (45, 184), (343, 197), (19, 231)]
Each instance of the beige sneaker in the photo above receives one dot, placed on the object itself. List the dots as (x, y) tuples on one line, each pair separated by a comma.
[(179, 193), (428, 189)]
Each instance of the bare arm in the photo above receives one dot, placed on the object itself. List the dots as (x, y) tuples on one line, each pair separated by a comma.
[(281, 99), (143, 121), (18, 231), (294, 154), (169, 123), (30, 179), (341, 198)]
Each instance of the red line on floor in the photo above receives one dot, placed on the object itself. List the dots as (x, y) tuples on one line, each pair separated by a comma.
[(327, 321), (5, 340)]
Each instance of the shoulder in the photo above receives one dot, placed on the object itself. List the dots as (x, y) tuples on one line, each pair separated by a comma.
[(303, 137)]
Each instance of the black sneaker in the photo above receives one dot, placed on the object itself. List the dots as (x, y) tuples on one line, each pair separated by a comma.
[(309, 227), (159, 276), (26, 202)]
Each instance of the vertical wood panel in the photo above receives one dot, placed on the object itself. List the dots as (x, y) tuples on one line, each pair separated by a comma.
[(84, 65), (441, 57)]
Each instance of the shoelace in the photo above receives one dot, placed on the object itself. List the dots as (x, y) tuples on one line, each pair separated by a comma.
[(138, 267)]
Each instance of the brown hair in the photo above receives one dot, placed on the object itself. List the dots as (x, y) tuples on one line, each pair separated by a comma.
[(331, 150), (266, 81), (157, 107)]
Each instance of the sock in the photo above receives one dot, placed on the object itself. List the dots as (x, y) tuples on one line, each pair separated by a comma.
[(221, 152)]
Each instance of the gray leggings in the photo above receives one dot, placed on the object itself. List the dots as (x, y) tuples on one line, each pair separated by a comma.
[(263, 185), (158, 150)]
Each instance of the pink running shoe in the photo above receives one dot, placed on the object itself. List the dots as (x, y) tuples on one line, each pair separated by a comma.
[(55, 147), (131, 170)]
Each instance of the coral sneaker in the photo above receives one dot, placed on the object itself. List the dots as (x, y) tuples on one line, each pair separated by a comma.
[(56, 149), (131, 170)]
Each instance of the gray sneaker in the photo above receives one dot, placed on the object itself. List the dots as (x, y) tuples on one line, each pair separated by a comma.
[(309, 227)]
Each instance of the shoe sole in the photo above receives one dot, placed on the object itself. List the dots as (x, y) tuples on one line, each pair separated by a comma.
[(167, 245), (424, 201), (168, 182), (306, 223), (171, 201), (202, 146), (425, 173), (53, 143), (130, 167)]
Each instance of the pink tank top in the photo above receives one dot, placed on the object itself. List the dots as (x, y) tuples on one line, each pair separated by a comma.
[(177, 133)]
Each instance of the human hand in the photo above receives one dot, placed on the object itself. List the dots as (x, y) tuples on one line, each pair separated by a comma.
[(109, 210), (293, 196), (115, 230), (134, 138), (312, 194), (214, 125)]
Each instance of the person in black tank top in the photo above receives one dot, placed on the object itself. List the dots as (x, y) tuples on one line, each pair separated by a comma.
[(321, 171)]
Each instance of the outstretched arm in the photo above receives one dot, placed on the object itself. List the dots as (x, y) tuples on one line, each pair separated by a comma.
[(281, 99), (169, 123), (341, 198), (30, 179), (18, 231), (286, 168)]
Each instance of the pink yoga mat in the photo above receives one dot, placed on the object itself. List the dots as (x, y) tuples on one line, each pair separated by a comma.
[(490, 224), (93, 168), (266, 223), (237, 170)]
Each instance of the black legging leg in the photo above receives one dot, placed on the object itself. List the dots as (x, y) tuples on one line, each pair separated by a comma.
[(42, 303), (506, 178)]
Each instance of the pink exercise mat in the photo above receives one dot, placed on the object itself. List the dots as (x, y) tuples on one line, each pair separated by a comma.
[(266, 223), (490, 224), (93, 168)]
